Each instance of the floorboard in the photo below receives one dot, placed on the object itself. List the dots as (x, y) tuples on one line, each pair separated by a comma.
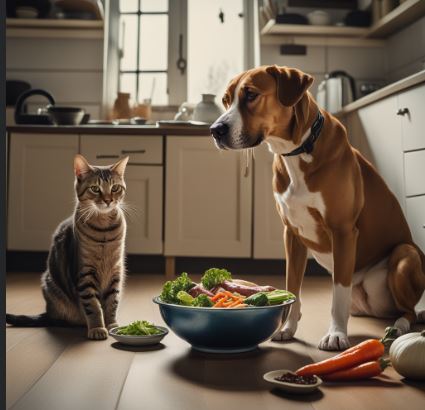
[(50, 369)]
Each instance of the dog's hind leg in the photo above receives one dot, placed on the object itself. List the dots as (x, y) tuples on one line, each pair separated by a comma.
[(296, 261), (406, 280)]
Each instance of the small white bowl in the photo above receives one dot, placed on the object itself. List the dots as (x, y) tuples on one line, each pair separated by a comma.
[(139, 340), (25, 12), (291, 387), (319, 18)]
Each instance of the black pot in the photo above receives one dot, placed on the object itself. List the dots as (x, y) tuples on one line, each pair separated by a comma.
[(22, 118), (65, 115)]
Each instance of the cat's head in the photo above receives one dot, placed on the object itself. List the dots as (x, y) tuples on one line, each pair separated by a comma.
[(101, 188)]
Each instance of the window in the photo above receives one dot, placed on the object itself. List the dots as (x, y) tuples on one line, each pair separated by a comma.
[(209, 35), (143, 66)]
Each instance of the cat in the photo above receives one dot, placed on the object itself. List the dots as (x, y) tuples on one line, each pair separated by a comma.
[(86, 263)]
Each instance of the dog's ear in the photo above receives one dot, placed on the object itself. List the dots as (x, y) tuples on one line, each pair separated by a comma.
[(291, 83)]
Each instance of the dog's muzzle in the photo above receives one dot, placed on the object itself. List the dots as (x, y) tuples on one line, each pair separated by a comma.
[(219, 130)]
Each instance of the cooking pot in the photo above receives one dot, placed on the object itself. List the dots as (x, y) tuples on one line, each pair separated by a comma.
[(23, 118)]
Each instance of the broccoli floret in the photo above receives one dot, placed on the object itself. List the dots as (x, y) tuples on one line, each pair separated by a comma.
[(215, 276), (172, 288), (202, 300)]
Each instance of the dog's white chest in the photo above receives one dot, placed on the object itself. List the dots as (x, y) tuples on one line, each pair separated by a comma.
[(297, 202)]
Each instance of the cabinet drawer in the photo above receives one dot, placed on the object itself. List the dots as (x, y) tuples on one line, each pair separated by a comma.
[(413, 123), (414, 172), (416, 218), (106, 149)]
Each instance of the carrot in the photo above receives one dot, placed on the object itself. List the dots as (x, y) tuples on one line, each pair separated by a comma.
[(217, 296), (370, 349), (220, 302), (236, 302), (363, 371)]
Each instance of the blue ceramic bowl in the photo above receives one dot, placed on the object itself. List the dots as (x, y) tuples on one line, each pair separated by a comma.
[(222, 330)]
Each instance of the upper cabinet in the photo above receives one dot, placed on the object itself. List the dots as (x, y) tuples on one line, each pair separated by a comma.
[(40, 189), (208, 197)]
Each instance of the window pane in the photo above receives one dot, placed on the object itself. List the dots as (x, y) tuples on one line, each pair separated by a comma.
[(127, 6), (128, 85), (215, 49), (160, 96), (154, 5), (153, 42), (128, 39)]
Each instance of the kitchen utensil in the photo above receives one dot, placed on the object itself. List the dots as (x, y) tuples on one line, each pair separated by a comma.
[(141, 340), (336, 91), (221, 330), (207, 110), (291, 387), (22, 118), (319, 18), (14, 88), (60, 115)]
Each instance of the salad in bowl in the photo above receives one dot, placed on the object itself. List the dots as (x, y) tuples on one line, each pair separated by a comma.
[(223, 314)]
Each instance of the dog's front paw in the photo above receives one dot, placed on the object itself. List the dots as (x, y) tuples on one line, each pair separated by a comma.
[(334, 341), (287, 333), (97, 333)]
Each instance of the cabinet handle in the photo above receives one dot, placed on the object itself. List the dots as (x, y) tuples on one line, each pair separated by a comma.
[(106, 156), (134, 151), (402, 111)]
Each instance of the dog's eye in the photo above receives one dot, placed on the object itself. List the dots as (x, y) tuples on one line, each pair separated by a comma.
[(250, 95)]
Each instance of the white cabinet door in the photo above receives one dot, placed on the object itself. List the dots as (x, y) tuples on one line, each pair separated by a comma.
[(413, 122), (208, 200), (268, 228), (41, 188), (144, 184), (383, 143), (416, 219)]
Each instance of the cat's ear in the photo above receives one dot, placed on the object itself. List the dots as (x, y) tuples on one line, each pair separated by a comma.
[(81, 166), (119, 167)]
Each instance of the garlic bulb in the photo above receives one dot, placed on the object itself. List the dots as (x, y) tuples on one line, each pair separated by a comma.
[(407, 354)]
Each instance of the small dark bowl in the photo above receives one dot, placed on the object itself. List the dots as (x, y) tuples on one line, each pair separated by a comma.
[(65, 115), (221, 330)]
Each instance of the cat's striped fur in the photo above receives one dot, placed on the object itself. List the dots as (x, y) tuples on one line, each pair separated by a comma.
[(85, 267)]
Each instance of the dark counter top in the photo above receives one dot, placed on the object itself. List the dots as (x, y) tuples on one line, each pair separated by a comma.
[(109, 130)]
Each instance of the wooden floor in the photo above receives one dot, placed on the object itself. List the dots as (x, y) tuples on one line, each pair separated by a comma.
[(58, 369)]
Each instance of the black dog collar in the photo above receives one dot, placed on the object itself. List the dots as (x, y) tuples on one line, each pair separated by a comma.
[(308, 145)]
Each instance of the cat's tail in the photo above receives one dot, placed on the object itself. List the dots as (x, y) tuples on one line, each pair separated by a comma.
[(41, 320)]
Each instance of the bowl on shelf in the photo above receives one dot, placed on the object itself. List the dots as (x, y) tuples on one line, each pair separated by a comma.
[(221, 330), (319, 18)]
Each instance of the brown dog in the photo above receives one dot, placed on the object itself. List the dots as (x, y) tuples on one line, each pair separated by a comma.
[(331, 201)]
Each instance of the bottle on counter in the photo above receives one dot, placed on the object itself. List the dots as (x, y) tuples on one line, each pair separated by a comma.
[(121, 107)]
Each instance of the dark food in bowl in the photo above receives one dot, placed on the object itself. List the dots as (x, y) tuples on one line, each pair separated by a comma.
[(294, 379), (65, 115)]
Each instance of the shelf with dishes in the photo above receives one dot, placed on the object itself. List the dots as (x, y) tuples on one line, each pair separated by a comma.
[(406, 13), (54, 28)]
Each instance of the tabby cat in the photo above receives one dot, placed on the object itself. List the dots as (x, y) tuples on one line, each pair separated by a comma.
[(85, 267)]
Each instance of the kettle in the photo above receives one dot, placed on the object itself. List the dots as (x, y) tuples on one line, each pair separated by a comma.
[(336, 91), (23, 118)]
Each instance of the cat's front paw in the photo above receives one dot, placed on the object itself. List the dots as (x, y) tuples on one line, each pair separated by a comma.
[(112, 325), (97, 333)]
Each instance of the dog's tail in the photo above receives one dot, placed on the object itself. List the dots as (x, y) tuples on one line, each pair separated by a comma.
[(41, 320)]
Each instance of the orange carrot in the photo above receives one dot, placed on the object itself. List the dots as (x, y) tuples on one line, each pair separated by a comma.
[(363, 371), (236, 302), (220, 302), (217, 296)]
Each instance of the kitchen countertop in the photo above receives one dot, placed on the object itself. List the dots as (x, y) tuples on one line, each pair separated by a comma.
[(109, 129), (393, 88)]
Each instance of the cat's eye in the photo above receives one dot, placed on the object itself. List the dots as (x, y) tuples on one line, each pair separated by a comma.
[(250, 95), (95, 189), (115, 188)]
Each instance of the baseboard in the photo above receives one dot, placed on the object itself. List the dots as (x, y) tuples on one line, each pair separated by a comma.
[(24, 261)]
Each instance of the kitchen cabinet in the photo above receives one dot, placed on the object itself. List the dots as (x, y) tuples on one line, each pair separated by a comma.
[(390, 134), (268, 228), (144, 180), (208, 197), (40, 188)]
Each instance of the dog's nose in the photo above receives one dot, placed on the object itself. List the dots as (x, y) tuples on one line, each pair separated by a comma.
[(219, 130)]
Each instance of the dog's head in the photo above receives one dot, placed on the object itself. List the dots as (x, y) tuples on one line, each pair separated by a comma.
[(260, 103)]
